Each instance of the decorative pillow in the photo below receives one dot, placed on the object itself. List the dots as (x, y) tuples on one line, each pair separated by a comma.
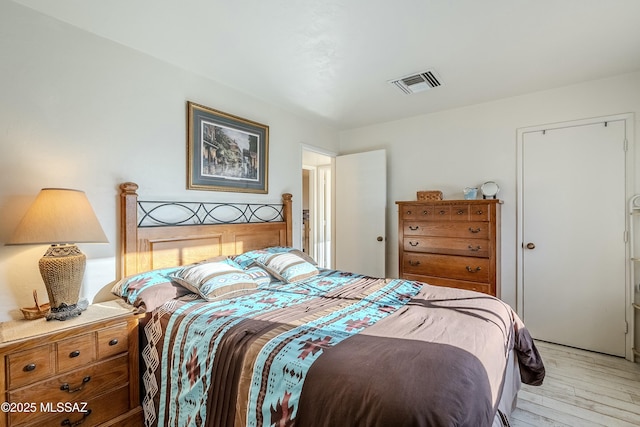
[(259, 275), (149, 290), (215, 280), (287, 267), (246, 259)]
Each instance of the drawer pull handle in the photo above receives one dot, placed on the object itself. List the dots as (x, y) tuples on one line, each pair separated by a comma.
[(460, 212), (472, 249), (414, 244), (473, 270), (442, 212), (479, 212), (65, 386), (113, 342), (414, 263), (413, 227), (425, 212), (30, 367), (408, 212), (74, 353), (474, 230), (67, 421)]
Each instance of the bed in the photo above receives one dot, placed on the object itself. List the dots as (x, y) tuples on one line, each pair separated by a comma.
[(298, 345)]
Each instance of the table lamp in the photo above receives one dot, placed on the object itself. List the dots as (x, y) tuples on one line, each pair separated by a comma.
[(60, 217)]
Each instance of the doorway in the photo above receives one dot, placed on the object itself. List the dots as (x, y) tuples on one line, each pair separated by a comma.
[(573, 183), (317, 206)]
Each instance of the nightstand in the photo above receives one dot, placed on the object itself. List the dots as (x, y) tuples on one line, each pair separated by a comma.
[(66, 373)]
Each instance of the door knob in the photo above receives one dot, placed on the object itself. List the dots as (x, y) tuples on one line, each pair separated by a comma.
[(379, 239), (531, 246)]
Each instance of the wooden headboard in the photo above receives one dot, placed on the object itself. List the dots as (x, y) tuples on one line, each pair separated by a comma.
[(146, 247)]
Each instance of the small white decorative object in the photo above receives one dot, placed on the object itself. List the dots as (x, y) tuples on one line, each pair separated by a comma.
[(489, 190)]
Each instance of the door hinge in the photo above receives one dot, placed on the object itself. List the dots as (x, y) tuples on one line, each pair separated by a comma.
[(626, 236), (626, 144), (626, 327)]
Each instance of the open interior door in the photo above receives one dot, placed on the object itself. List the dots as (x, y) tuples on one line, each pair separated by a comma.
[(360, 222)]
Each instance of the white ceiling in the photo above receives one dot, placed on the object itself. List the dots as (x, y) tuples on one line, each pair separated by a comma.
[(332, 59)]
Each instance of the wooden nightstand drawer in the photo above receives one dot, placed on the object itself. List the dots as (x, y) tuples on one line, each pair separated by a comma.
[(77, 386), (76, 352), (113, 340), (89, 413), (28, 366)]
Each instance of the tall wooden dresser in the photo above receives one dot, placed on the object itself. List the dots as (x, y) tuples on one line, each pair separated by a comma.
[(453, 243)]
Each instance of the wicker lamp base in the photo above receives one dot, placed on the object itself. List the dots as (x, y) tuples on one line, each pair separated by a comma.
[(62, 269)]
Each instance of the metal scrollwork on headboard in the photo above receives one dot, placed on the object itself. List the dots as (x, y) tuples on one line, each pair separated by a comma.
[(160, 214), (157, 234)]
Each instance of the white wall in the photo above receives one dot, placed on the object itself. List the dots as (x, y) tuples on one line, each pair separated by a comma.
[(465, 147), (82, 112)]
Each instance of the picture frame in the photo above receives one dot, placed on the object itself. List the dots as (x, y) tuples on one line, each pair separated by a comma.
[(226, 152)]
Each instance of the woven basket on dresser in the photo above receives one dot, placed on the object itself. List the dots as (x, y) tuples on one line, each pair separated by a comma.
[(430, 195)]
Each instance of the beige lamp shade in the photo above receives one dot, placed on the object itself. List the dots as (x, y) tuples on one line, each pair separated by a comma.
[(59, 215)]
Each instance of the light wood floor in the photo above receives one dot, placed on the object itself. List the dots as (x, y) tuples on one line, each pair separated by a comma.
[(581, 389)]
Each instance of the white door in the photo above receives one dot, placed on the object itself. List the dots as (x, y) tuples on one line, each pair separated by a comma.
[(573, 224), (361, 199)]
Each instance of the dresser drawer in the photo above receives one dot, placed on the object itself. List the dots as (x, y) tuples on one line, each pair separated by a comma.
[(474, 230), (427, 212), (113, 340), (454, 267), (77, 386), (470, 212), (28, 366), (451, 283), (76, 352), (447, 246)]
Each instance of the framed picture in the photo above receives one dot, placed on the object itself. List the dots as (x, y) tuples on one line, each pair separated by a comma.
[(226, 152)]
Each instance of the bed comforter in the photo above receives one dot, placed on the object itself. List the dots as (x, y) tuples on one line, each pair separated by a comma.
[(337, 349)]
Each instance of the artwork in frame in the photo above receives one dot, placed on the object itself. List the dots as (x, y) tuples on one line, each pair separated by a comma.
[(226, 152)]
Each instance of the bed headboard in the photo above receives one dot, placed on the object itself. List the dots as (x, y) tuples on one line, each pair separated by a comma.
[(157, 234)]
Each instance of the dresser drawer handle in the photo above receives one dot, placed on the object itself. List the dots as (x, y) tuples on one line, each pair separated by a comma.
[(408, 212), (74, 353), (479, 212), (414, 227), (425, 212), (67, 421), (65, 386), (442, 212), (474, 230), (414, 263), (460, 212), (414, 244), (472, 249), (30, 367), (113, 342), (472, 270)]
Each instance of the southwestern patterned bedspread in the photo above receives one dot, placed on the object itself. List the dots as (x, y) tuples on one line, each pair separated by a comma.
[(335, 349)]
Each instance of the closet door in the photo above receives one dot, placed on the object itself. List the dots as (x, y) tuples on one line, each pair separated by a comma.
[(573, 227)]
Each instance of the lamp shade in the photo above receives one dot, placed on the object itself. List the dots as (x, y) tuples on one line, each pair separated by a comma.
[(59, 215)]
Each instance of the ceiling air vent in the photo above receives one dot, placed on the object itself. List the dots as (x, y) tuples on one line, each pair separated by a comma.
[(415, 83)]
